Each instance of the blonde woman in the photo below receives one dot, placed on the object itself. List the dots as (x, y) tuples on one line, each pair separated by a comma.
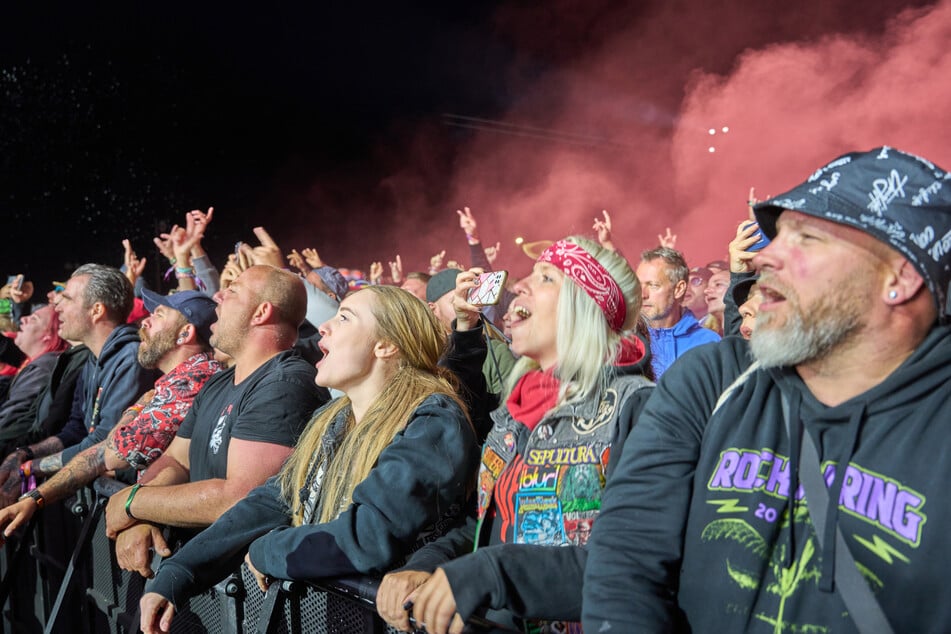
[(372, 470), (578, 388)]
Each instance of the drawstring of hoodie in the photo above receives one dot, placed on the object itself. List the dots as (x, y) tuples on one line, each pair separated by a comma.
[(835, 490), (795, 428), (795, 444)]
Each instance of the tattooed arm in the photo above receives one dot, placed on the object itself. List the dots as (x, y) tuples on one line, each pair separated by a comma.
[(10, 468), (79, 472), (52, 449), (48, 465)]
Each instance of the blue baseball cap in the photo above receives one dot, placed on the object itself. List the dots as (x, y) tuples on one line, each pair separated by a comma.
[(198, 308)]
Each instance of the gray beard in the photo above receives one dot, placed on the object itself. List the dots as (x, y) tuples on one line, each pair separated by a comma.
[(802, 340)]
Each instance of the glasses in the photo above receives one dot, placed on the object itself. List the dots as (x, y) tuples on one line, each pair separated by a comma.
[(697, 280)]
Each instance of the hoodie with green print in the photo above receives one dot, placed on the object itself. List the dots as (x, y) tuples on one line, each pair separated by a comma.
[(704, 527)]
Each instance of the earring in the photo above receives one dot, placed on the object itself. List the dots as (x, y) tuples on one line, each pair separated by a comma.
[(892, 294), (180, 340)]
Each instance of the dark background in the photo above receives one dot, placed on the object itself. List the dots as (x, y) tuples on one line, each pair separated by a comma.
[(116, 119), (114, 122)]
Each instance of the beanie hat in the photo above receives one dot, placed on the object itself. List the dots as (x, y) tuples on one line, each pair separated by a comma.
[(441, 283)]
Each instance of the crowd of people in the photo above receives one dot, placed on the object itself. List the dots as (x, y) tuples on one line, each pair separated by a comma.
[(752, 444)]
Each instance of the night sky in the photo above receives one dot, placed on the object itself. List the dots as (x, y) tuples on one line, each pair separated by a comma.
[(115, 122), (338, 126)]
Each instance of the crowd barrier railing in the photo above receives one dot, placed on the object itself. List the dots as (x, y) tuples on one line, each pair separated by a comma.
[(61, 575)]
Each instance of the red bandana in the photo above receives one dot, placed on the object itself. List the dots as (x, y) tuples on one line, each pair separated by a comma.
[(586, 272)]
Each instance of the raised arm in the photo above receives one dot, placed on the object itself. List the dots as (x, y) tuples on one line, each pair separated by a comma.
[(602, 226)]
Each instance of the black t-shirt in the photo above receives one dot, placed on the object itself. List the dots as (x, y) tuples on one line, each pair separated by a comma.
[(272, 405)]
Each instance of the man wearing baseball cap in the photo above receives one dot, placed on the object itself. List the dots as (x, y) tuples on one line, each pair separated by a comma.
[(803, 489), (174, 339)]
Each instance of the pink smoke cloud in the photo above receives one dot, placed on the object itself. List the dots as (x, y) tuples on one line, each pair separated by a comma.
[(792, 107), (613, 111)]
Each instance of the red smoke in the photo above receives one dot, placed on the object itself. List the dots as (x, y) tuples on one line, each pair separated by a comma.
[(614, 109), (793, 107)]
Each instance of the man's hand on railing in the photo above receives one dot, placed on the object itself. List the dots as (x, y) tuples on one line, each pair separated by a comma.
[(134, 546), (15, 516)]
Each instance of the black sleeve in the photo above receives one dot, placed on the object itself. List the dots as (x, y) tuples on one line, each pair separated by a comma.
[(456, 542), (465, 357), (10, 353), (477, 257), (25, 388), (631, 579), (630, 412), (219, 549), (400, 497), (530, 581), (75, 428)]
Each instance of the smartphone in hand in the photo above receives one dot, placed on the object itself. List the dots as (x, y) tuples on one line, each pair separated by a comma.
[(489, 289)]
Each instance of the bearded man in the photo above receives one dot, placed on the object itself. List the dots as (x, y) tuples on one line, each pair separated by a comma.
[(174, 339), (803, 489)]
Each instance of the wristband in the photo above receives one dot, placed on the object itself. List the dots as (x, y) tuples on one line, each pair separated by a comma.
[(128, 502), (36, 496), (184, 269)]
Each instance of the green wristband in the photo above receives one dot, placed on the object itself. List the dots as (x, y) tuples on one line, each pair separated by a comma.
[(128, 502)]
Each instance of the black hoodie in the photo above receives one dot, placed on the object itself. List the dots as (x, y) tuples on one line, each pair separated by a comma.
[(695, 533)]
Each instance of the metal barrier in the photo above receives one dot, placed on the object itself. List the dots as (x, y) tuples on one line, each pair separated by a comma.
[(61, 575)]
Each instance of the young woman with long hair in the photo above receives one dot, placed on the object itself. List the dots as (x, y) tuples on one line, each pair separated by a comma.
[(372, 471)]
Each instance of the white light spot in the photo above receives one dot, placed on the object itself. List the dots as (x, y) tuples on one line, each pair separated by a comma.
[(712, 131), (519, 240), (725, 129), (711, 149)]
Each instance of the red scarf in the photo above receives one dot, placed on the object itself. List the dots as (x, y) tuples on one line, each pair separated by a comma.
[(533, 395)]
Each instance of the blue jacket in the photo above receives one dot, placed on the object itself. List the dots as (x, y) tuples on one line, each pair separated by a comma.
[(667, 344)]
